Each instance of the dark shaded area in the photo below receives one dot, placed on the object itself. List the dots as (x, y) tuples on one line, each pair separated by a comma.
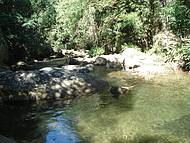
[(18, 122), (124, 102), (44, 122), (23, 42)]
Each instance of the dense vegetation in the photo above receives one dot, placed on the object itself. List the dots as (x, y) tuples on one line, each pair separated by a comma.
[(30, 29)]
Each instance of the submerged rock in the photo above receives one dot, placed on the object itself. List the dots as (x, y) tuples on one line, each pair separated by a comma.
[(75, 61), (116, 91)]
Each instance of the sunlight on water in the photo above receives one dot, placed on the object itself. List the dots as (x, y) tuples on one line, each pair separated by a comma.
[(59, 130), (154, 111)]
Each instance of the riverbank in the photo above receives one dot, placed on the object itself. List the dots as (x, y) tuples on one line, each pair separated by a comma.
[(48, 83), (154, 110), (70, 77)]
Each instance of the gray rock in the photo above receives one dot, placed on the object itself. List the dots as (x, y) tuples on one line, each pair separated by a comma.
[(81, 69), (110, 61), (74, 61), (80, 61), (116, 91), (100, 61), (131, 63), (48, 83)]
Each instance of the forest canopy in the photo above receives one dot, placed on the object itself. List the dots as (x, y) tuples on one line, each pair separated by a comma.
[(33, 29)]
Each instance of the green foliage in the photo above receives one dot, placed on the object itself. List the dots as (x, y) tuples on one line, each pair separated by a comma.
[(32, 27), (68, 14), (129, 45), (175, 16), (96, 51), (168, 45), (20, 31), (133, 21), (86, 32), (118, 23), (178, 17), (84, 24), (186, 54)]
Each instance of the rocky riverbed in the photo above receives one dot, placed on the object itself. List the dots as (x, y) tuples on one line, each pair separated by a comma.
[(70, 78), (133, 60), (49, 83)]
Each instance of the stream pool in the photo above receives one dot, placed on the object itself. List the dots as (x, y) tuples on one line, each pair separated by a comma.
[(155, 110)]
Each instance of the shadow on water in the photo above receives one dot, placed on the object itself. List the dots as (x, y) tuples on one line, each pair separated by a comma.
[(15, 121), (126, 101), (59, 130), (118, 78), (179, 127), (28, 124)]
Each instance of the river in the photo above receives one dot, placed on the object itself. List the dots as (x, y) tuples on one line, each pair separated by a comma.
[(156, 110)]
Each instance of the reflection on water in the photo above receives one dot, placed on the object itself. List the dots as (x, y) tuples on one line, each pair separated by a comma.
[(49, 125), (60, 130), (156, 110)]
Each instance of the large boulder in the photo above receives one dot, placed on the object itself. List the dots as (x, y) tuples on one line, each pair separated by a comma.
[(80, 61), (81, 69), (48, 83), (131, 58), (110, 61), (100, 61), (75, 61), (143, 63)]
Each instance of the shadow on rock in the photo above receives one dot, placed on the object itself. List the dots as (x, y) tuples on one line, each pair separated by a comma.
[(48, 83)]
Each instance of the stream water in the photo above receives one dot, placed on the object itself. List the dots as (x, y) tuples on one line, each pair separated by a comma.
[(155, 110)]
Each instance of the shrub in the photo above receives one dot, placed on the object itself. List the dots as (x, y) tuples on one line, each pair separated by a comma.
[(177, 16), (130, 45), (186, 54), (96, 51), (168, 45)]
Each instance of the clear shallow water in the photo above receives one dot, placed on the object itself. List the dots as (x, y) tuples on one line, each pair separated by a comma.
[(156, 110)]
